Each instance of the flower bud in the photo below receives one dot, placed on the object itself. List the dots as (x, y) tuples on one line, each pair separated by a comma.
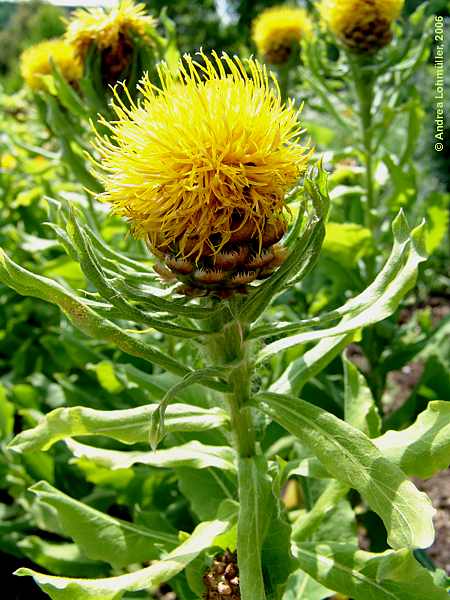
[(363, 26), (278, 30)]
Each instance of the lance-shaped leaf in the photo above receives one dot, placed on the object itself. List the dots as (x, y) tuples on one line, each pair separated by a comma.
[(294, 377), (303, 254), (113, 588), (61, 558), (423, 449), (128, 426), (86, 319), (353, 459), (67, 95), (138, 284), (363, 575), (301, 586), (317, 358), (396, 259), (94, 272), (100, 536), (193, 454), (306, 524), (379, 307)]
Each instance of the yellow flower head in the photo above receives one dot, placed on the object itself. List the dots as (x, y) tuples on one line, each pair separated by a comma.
[(107, 28), (204, 161), (36, 61), (277, 29), (362, 25)]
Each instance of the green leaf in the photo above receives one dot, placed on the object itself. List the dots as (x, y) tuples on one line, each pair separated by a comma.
[(157, 419), (67, 95), (437, 219), (128, 426), (6, 414), (359, 406), (347, 243), (362, 575), (193, 454), (113, 588), (407, 244), (61, 558), (276, 556), (307, 523), (379, 305), (353, 459), (301, 586), (205, 489), (292, 380), (100, 536), (423, 449), (82, 315), (108, 290), (255, 496)]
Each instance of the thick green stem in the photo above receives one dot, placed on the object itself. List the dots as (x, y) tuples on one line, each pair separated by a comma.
[(241, 418), (228, 348), (283, 81), (364, 86)]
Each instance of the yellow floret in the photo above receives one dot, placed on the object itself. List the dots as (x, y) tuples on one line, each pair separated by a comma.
[(36, 62), (106, 27), (208, 155)]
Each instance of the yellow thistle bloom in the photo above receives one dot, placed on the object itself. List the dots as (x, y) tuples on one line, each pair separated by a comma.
[(36, 62), (201, 167), (362, 25), (108, 29), (277, 29)]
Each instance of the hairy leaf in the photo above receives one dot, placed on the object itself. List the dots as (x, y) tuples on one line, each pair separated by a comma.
[(113, 588), (423, 449), (362, 575), (360, 408), (193, 454), (380, 305), (100, 536), (128, 426), (352, 458)]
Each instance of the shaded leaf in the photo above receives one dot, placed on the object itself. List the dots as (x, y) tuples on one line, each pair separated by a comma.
[(193, 454), (100, 536), (362, 575), (353, 459), (113, 588), (359, 406), (423, 449)]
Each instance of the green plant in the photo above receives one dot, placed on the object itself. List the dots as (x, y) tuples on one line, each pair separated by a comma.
[(232, 332), (222, 442)]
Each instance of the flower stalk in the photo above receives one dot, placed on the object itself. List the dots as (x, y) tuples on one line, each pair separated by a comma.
[(229, 349), (364, 90)]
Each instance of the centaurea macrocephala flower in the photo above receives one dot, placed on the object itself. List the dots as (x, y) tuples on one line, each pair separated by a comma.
[(201, 167)]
